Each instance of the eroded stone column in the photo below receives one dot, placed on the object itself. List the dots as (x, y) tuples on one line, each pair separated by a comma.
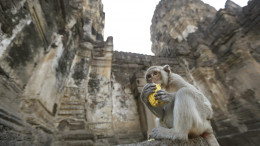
[(98, 101)]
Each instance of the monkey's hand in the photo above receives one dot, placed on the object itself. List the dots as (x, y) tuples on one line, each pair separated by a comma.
[(164, 96), (147, 90)]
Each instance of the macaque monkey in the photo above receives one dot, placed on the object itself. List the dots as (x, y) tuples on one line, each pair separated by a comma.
[(186, 112)]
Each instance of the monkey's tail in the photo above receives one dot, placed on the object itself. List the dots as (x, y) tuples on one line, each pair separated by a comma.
[(211, 139)]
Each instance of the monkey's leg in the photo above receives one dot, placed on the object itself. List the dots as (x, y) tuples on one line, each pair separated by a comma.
[(162, 133), (210, 137), (184, 111), (185, 115)]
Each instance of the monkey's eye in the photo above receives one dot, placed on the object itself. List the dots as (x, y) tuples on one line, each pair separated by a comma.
[(155, 73), (148, 76)]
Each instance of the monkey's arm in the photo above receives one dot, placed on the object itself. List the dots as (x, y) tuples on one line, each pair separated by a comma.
[(157, 111), (164, 96), (147, 90)]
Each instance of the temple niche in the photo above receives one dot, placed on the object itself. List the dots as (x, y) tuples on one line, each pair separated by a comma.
[(61, 82)]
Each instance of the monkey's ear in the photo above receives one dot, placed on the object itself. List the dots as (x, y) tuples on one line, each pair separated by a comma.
[(167, 68)]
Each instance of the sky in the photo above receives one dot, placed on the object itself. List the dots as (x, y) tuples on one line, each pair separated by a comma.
[(129, 21)]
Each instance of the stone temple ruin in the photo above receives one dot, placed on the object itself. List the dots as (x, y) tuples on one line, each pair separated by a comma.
[(62, 84)]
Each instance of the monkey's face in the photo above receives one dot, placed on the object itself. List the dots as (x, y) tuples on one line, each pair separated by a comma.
[(154, 77)]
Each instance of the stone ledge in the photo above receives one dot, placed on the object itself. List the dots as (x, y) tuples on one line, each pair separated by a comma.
[(192, 142)]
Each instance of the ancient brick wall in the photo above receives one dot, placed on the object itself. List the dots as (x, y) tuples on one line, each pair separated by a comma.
[(128, 78)]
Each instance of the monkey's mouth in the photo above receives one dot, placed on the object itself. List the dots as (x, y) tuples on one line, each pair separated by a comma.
[(156, 82)]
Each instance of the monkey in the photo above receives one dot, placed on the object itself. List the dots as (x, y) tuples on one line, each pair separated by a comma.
[(186, 112)]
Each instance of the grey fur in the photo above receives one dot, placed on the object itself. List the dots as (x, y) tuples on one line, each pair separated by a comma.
[(186, 110)]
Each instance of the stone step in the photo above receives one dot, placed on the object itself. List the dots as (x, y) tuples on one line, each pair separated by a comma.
[(72, 98), (133, 135), (74, 143), (72, 112), (68, 116), (72, 121), (76, 122), (71, 107), (72, 103), (75, 135), (71, 124)]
